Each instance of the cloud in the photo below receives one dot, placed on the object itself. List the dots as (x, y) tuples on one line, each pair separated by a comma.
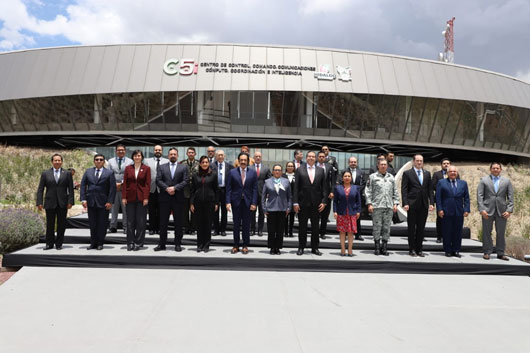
[(523, 75)]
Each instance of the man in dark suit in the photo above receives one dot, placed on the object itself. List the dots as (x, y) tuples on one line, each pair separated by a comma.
[(222, 168), (436, 177), (189, 222), (98, 190), (309, 199), (59, 198), (452, 204), (418, 200), (390, 158), (263, 172), (358, 179), (171, 178), (331, 160), (330, 175), (298, 162), (210, 151), (241, 199)]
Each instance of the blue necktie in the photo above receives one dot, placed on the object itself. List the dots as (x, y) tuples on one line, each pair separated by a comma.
[(496, 184), (453, 182), (420, 177), (56, 176), (172, 170)]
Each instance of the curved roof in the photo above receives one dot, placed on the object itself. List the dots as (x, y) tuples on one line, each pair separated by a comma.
[(139, 68)]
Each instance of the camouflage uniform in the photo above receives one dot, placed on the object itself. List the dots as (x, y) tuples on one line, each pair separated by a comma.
[(382, 193)]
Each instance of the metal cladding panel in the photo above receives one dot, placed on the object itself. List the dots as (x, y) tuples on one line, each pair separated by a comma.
[(510, 88), (442, 80), (223, 81), (373, 75), (187, 82), (292, 57), (49, 73), (62, 77), (154, 70), (471, 76), (388, 76), (275, 57), (6, 61), (239, 79), (341, 59), (468, 91), (205, 79), (75, 79), (419, 86), (431, 86), (500, 93), (92, 70), (488, 95), (37, 70), (325, 59), (258, 55), (455, 88), (524, 92), (402, 77), (139, 68), (309, 82), (106, 73), (120, 81), (170, 82), (23, 67), (358, 73)]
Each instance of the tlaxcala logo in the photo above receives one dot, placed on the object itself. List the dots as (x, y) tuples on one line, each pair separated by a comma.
[(183, 67)]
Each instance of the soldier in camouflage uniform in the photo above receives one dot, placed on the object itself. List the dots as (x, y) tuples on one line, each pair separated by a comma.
[(188, 222), (382, 199)]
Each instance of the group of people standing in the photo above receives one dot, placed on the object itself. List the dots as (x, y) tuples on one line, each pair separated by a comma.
[(200, 193)]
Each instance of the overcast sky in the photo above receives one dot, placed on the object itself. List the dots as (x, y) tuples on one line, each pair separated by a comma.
[(489, 34)]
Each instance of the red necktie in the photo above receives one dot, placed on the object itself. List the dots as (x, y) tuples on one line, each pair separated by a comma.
[(257, 170), (243, 176)]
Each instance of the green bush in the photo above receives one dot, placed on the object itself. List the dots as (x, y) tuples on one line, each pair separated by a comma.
[(19, 228)]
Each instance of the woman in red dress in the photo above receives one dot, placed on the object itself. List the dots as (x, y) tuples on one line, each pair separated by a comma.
[(346, 210)]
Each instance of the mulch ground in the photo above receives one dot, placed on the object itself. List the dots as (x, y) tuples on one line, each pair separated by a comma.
[(5, 273)]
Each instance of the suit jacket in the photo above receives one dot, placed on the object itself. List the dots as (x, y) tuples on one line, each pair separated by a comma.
[(227, 168), (264, 174), (415, 194), (151, 162), (204, 188), (495, 202), (360, 180), (237, 193), (119, 170), (98, 191), (136, 188), (352, 203), (330, 173), (276, 201), (58, 194), (307, 194), (302, 164), (453, 204), (179, 181)]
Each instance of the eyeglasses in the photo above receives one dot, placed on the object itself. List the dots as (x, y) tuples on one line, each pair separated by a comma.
[(277, 170), (99, 159)]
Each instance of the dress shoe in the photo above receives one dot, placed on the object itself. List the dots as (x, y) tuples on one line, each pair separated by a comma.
[(342, 254), (223, 234), (160, 248), (199, 249), (412, 253), (447, 254), (47, 247), (91, 247), (486, 256), (60, 247), (278, 252), (253, 232), (192, 232), (136, 247), (359, 237), (260, 234), (130, 247), (438, 241), (244, 251), (323, 236), (151, 232), (456, 254), (350, 255), (272, 252), (300, 252), (178, 248), (316, 252), (503, 257), (205, 250), (100, 247), (235, 250), (420, 254), (112, 230)]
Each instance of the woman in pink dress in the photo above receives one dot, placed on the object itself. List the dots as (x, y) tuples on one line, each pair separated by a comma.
[(346, 210)]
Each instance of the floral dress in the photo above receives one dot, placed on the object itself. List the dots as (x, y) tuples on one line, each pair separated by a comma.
[(347, 223)]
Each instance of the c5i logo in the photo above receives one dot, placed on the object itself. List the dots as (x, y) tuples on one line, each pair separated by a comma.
[(184, 67)]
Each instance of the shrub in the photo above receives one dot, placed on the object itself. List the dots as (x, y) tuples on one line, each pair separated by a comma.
[(517, 247), (19, 229)]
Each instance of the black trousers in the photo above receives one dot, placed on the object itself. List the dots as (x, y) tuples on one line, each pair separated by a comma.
[(241, 214), (221, 226), (439, 232), (416, 218), (188, 218), (136, 220), (98, 220), (324, 216), (154, 212), (53, 214), (165, 211), (204, 211), (289, 224), (275, 229), (308, 212), (261, 218)]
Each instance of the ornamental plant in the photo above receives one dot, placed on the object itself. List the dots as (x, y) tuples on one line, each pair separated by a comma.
[(19, 228)]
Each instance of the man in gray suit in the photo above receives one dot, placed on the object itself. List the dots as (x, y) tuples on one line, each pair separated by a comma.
[(495, 204), (59, 198), (154, 210), (117, 166)]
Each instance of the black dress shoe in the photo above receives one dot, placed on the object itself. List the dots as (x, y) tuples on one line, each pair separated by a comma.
[(136, 247), (260, 234), (253, 232), (316, 252), (178, 248), (151, 232), (130, 247), (300, 252), (60, 247), (47, 247), (205, 250), (457, 254), (412, 253), (91, 247), (503, 257), (223, 234), (342, 254), (199, 249), (278, 252), (100, 247), (438, 241), (323, 236), (359, 237), (272, 252), (447, 254), (160, 248), (420, 254), (112, 230)]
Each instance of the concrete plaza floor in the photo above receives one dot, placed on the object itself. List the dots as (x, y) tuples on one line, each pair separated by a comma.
[(147, 310)]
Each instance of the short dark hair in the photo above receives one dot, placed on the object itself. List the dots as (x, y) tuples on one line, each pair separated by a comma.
[(296, 152), (135, 152), (191, 148), (495, 163), (381, 154), (307, 154), (379, 161), (173, 148), (99, 155), (322, 152), (277, 165), (287, 164), (445, 159), (417, 154), (120, 145), (346, 171), (243, 154), (201, 171), (57, 155)]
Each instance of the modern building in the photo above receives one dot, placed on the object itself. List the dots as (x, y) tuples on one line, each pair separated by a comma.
[(266, 96)]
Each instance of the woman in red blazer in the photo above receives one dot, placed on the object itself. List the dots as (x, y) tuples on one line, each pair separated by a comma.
[(135, 197)]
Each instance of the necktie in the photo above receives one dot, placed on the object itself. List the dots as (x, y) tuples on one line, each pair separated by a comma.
[(172, 170), (119, 163), (56, 176), (220, 175), (311, 174), (297, 164), (97, 173), (157, 163), (420, 177), (243, 176), (444, 174), (453, 183), (353, 175), (496, 184)]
